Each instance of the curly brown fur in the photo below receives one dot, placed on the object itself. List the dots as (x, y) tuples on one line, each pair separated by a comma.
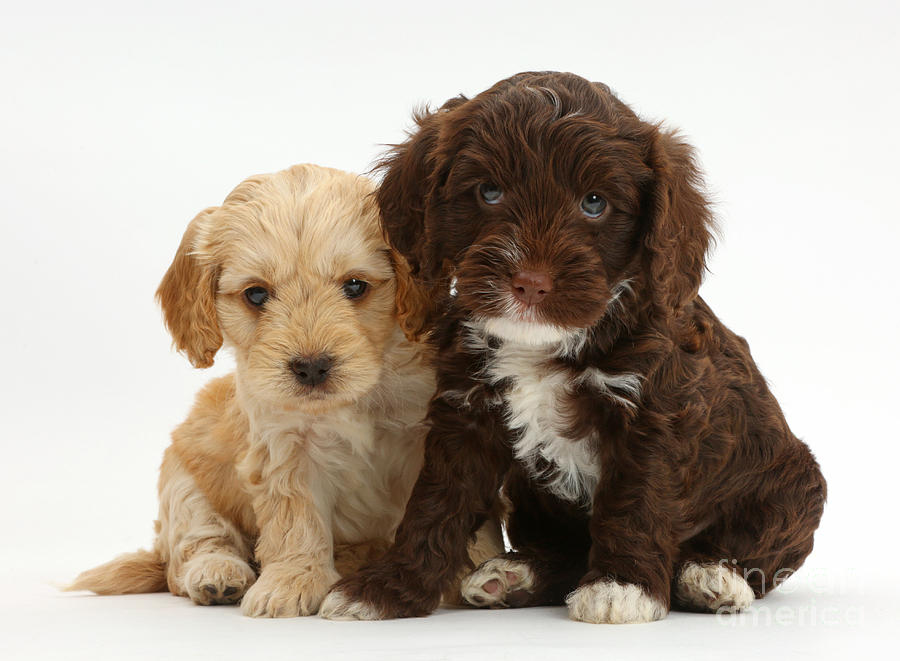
[(639, 445)]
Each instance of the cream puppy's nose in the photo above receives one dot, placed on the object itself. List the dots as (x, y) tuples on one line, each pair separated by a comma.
[(311, 370)]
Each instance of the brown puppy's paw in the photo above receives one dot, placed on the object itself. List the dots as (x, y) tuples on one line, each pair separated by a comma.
[(498, 583), (217, 578), (281, 591), (610, 602), (381, 591), (337, 606), (712, 587)]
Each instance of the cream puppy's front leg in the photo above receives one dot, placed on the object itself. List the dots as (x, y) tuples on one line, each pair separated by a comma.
[(295, 546)]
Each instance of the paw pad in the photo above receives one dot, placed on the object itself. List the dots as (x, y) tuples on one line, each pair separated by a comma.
[(498, 583)]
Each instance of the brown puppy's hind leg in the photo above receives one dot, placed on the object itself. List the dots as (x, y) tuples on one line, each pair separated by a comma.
[(519, 579), (756, 544), (551, 542)]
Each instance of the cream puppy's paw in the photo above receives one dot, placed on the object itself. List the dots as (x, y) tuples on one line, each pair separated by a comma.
[(712, 587), (282, 592), (337, 606), (217, 578), (609, 602), (498, 583)]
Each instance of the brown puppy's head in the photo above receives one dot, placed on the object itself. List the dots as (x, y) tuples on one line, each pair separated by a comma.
[(542, 201), (293, 273)]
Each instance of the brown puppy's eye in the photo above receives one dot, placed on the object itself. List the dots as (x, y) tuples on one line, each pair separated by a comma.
[(354, 288), (593, 205), (490, 193), (256, 296)]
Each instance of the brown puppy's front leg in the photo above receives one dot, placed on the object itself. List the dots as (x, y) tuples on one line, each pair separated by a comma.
[(633, 550), (465, 460)]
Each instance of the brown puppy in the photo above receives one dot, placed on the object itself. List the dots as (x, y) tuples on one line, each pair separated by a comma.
[(305, 456), (646, 462)]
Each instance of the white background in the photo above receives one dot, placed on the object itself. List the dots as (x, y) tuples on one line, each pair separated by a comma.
[(118, 124)]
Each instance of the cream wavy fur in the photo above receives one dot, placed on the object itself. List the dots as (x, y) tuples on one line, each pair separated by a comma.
[(270, 490)]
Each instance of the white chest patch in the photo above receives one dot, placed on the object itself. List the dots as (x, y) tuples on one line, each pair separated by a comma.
[(536, 402)]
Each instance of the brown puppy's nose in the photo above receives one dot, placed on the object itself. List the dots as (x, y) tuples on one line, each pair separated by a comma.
[(311, 371), (530, 287)]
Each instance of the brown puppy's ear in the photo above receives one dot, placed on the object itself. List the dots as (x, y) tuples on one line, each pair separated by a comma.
[(409, 181), (680, 223), (413, 305), (187, 295)]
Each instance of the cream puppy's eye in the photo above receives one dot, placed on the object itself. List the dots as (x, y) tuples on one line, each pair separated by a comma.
[(354, 288), (593, 206), (256, 296), (490, 193)]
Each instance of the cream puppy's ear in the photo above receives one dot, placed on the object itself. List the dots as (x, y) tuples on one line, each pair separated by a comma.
[(187, 295)]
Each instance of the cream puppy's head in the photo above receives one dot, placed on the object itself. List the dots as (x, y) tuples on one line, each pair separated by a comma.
[(293, 273)]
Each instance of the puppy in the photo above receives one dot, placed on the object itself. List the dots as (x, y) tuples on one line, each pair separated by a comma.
[(310, 448), (646, 462)]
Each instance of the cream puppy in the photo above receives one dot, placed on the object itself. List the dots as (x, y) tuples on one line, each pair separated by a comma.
[(307, 453)]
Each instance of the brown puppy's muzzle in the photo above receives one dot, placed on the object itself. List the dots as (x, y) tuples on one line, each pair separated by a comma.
[(531, 287)]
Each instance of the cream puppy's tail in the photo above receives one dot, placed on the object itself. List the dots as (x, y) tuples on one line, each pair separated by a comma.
[(141, 571)]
